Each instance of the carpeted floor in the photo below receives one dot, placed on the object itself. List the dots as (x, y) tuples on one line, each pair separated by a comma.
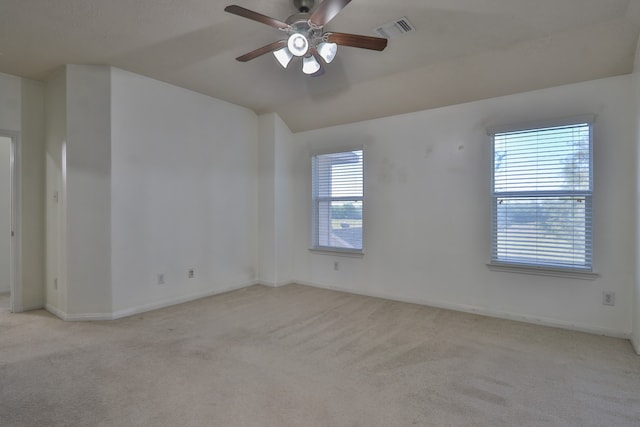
[(299, 356)]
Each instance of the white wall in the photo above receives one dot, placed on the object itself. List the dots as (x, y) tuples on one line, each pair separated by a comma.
[(55, 206), (10, 103), (275, 170), (78, 152), (184, 194), (151, 179), (5, 214), (32, 184), (22, 112), (10, 120), (267, 255), (283, 184), (635, 338), (88, 188), (427, 210)]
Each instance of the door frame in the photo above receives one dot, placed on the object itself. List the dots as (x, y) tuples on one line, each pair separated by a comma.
[(16, 300)]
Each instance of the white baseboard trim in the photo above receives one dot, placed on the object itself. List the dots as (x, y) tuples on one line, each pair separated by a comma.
[(274, 284), (88, 317), (83, 317), (635, 342), (482, 311), (55, 311), (33, 307), (179, 300)]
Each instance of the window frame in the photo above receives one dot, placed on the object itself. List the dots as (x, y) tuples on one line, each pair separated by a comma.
[(532, 268), (315, 206)]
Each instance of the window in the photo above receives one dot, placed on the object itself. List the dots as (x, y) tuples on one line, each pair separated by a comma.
[(337, 201), (542, 190)]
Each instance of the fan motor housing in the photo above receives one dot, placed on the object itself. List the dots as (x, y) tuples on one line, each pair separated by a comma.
[(303, 6), (300, 24), (299, 20)]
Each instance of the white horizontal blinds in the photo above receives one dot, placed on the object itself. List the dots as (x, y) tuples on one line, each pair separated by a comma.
[(337, 200), (551, 159), (542, 188)]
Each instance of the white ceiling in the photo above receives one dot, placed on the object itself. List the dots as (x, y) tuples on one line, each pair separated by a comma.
[(463, 50)]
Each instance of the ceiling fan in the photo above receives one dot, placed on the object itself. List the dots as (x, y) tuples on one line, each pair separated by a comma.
[(305, 36)]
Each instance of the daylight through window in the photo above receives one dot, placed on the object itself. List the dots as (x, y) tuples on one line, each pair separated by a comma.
[(542, 190), (337, 201)]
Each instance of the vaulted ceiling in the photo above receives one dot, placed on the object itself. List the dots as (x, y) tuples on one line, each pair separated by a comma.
[(462, 50)]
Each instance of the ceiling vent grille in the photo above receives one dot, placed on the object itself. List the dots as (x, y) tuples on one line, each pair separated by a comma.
[(395, 28)]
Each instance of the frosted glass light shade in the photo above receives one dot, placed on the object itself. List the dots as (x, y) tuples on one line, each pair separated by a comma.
[(298, 44), (310, 65), (284, 56), (327, 51)]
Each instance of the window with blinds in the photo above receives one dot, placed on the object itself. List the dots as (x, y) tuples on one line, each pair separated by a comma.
[(337, 201), (542, 191)]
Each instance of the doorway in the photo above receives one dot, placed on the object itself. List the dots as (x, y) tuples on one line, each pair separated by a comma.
[(9, 299)]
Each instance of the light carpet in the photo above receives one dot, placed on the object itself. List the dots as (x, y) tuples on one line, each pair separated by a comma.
[(300, 356)]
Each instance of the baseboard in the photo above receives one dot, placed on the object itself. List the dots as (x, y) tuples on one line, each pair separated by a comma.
[(274, 284), (482, 311), (448, 306), (29, 308), (33, 307), (84, 317), (55, 311), (179, 300), (635, 342), (88, 317)]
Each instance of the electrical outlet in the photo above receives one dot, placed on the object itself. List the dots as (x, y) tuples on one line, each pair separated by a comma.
[(608, 298), (161, 279), (336, 265), (191, 273)]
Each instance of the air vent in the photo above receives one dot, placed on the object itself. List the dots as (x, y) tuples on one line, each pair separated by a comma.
[(395, 28)]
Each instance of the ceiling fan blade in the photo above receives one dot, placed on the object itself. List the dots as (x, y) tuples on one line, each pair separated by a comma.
[(327, 10), (355, 40), (262, 50), (255, 16)]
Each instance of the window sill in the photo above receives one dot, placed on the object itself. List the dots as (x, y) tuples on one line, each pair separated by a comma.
[(544, 271), (338, 252)]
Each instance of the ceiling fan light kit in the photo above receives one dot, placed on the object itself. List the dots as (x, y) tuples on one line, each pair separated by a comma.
[(284, 56), (327, 51), (306, 38), (310, 65), (298, 44)]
